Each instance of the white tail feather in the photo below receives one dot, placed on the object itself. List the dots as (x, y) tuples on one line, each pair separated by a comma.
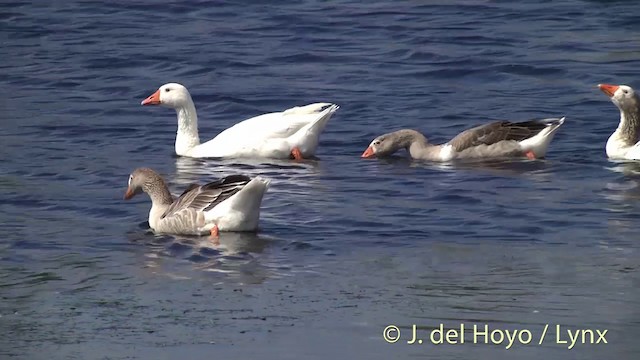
[(307, 138), (307, 109), (241, 212), (540, 142)]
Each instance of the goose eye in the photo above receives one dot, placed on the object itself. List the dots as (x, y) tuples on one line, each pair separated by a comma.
[(167, 90), (130, 178)]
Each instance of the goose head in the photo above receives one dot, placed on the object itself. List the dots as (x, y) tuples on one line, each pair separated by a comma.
[(171, 95), (389, 143), (623, 96), (142, 180), (380, 146)]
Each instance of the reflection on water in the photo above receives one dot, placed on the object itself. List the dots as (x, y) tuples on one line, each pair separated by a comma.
[(624, 192), (236, 258), (535, 170), (622, 196), (252, 167), (628, 168), (189, 170)]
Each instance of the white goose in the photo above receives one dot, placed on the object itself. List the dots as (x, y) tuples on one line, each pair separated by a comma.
[(292, 133), (229, 204), (499, 139), (623, 143)]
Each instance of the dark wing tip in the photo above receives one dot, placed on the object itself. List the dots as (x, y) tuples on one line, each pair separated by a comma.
[(189, 188), (235, 178), (231, 179)]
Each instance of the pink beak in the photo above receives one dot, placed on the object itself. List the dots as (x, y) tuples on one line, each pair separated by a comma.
[(153, 99), (129, 194), (608, 89), (369, 153)]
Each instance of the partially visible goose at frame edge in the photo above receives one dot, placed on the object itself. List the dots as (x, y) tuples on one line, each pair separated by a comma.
[(623, 143)]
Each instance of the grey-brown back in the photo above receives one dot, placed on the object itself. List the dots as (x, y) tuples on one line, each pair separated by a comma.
[(492, 133), (206, 197)]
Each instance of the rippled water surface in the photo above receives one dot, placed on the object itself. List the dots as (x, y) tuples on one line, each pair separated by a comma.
[(347, 246)]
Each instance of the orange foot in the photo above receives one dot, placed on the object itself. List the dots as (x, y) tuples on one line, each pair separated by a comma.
[(530, 155), (296, 154), (214, 235)]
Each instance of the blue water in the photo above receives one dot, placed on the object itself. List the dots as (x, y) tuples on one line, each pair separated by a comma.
[(347, 246)]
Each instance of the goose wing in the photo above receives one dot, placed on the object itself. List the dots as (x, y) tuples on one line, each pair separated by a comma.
[(495, 132), (206, 197)]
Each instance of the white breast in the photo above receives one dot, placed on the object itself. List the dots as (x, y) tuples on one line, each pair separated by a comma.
[(447, 153)]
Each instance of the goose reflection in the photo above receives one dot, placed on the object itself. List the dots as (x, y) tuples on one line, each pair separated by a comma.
[(237, 257), (624, 191), (623, 196), (190, 170), (626, 168), (228, 243), (536, 170), (300, 177)]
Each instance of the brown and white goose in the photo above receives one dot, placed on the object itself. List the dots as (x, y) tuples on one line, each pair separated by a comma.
[(229, 204), (623, 143), (498, 139)]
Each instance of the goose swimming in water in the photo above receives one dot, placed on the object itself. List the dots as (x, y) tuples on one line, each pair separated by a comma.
[(229, 204), (293, 133), (498, 139)]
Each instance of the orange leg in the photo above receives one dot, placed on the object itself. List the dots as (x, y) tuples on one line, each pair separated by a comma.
[(530, 155), (296, 154), (214, 235)]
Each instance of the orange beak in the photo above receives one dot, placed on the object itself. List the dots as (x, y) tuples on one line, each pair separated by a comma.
[(154, 99), (369, 153), (129, 194), (608, 89)]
